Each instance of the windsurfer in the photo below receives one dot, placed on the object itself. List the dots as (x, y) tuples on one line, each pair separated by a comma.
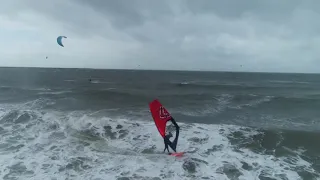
[(167, 142), (167, 137), (161, 116)]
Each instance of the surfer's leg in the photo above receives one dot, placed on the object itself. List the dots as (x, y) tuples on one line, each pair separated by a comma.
[(166, 147), (171, 145), (174, 149)]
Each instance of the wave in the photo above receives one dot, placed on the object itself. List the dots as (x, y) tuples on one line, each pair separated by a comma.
[(192, 103), (70, 80), (207, 84), (13, 88), (288, 82), (59, 144), (54, 92), (109, 93), (100, 82), (240, 86)]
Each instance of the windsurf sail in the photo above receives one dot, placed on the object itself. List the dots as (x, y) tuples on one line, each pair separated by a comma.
[(161, 116)]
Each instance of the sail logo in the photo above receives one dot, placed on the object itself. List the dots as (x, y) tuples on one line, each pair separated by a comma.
[(163, 114)]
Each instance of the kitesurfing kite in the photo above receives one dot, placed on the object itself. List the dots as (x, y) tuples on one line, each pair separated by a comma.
[(161, 116), (59, 40)]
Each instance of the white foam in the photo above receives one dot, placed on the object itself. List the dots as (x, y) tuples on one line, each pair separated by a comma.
[(254, 103), (108, 158), (54, 92), (213, 106)]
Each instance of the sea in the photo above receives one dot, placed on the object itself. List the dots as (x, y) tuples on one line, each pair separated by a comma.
[(88, 124)]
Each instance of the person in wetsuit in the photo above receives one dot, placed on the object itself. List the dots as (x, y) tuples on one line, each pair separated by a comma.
[(167, 141), (167, 137)]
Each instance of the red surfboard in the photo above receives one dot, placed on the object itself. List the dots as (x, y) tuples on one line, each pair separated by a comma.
[(177, 154)]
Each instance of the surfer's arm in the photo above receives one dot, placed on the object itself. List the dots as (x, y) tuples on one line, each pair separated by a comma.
[(175, 124)]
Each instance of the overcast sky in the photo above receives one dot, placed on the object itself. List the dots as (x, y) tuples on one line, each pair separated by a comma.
[(228, 35)]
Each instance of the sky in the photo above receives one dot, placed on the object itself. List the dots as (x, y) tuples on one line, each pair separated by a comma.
[(210, 35)]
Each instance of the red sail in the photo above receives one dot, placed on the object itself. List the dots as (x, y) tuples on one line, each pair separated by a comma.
[(160, 116)]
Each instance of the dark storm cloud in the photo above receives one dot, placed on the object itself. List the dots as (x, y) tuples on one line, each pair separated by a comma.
[(125, 13), (188, 34), (128, 16), (273, 10)]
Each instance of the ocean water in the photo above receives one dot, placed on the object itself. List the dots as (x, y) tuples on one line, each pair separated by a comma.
[(55, 124)]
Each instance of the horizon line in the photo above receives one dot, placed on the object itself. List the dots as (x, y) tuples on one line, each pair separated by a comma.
[(128, 69)]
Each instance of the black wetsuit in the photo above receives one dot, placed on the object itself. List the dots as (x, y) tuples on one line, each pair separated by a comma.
[(167, 141)]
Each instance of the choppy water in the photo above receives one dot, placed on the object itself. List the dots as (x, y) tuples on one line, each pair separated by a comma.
[(56, 124)]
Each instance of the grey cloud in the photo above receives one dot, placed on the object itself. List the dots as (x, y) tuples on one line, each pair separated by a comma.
[(125, 13), (67, 14), (196, 34), (271, 10), (128, 16)]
